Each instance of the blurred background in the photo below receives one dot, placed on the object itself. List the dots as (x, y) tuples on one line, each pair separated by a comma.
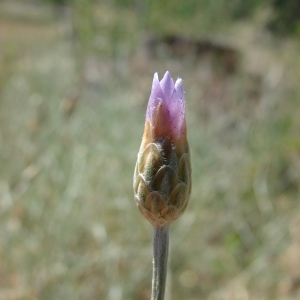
[(75, 77)]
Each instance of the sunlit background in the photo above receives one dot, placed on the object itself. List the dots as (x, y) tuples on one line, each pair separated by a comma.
[(75, 77)]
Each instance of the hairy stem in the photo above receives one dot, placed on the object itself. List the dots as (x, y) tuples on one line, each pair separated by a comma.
[(160, 260)]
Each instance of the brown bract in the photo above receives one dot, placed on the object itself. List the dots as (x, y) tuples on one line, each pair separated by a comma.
[(161, 126), (162, 178)]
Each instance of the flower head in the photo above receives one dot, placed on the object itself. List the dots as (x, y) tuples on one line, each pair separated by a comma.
[(166, 107), (162, 178)]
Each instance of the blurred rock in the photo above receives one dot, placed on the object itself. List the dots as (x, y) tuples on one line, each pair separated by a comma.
[(222, 56)]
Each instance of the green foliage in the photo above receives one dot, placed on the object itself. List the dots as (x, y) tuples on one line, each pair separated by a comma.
[(287, 16), (57, 2)]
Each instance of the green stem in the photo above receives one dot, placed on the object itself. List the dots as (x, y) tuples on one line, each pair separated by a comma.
[(160, 260)]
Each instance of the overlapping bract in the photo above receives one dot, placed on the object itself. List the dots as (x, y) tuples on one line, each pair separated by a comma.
[(162, 177)]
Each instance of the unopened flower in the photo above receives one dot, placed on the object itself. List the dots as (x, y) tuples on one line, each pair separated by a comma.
[(162, 177)]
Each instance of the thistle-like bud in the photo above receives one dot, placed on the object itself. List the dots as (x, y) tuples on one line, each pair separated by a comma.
[(162, 177)]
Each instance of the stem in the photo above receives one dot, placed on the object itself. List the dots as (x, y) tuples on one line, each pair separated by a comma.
[(160, 260)]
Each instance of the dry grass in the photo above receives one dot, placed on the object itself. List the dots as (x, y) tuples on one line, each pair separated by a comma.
[(70, 131)]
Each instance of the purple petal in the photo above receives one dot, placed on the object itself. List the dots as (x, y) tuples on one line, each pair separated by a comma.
[(179, 88), (177, 107), (167, 85), (156, 95), (176, 113)]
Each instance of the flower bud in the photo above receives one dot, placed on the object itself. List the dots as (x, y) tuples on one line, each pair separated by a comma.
[(162, 177)]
